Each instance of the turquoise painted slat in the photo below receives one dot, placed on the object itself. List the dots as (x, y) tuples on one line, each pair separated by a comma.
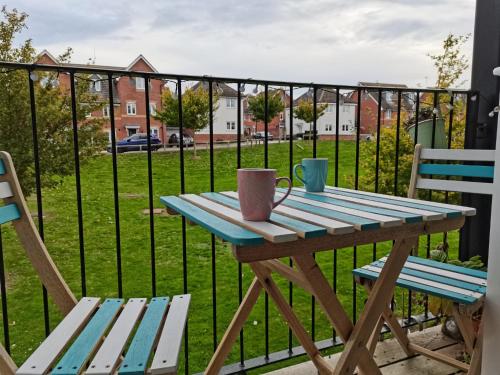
[(220, 227), (461, 170), (78, 354), (309, 230), (2, 167), (460, 298), (362, 222), (438, 278), (409, 218), (448, 267), (140, 348), (423, 206), (8, 213)]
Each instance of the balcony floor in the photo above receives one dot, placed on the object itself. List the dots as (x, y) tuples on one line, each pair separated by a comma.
[(392, 360)]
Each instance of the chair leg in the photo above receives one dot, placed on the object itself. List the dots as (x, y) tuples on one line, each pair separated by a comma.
[(466, 329), (7, 365), (476, 360)]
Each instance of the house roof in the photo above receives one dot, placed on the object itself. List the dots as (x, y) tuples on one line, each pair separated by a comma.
[(221, 88), (323, 96)]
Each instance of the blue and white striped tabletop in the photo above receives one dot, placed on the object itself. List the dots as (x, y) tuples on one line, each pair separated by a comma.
[(335, 211)]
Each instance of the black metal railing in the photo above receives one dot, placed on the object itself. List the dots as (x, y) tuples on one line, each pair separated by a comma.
[(180, 81)]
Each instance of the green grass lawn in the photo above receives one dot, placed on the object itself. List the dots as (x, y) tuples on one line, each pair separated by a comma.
[(61, 235)]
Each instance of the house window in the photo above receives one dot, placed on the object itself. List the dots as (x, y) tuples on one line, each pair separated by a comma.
[(152, 108), (131, 130), (230, 125), (345, 128), (105, 111), (330, 108), (140, 83), (97, 86), (230, 102), (329, 127), (131, 109), (388, 114)]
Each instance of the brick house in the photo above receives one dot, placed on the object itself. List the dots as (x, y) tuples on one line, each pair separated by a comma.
[(389, 105), (326, 124), (128, 96)]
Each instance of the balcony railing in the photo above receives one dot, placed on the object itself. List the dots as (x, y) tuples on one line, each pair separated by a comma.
[(198, 269)]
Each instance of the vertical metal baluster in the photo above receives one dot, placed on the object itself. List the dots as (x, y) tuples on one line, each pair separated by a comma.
[(433, 144), (150, 189), (115, 185), (377, 156), (74, 119), (290, 173), (3, 291), (450, 134), (183, 222), (266, 165), (240, 271), (337, 130), (212, 188), (315, 127), (398, 127), (38, 185)]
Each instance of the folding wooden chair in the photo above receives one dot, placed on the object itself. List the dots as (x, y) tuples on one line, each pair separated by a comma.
[(464, 287), (93, 336)]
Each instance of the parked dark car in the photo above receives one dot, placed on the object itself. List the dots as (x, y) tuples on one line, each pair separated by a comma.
[(137, 142), (174, 140), (308, 134), (262, 135)]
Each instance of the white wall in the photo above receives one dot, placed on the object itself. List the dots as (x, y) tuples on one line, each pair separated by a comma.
[(326, 123), (223, 115)]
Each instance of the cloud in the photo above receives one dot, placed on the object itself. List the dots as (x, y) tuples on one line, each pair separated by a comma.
[(335, 41)]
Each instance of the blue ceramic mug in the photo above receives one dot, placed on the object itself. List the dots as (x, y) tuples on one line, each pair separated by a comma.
[(314, 173)]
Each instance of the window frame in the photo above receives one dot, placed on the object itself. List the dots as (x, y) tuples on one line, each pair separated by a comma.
[(140, 79), (134, 107)]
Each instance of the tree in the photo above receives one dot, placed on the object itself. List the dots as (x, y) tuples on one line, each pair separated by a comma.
[(305, 112), (53, 112), (195, 109), (257, 106)]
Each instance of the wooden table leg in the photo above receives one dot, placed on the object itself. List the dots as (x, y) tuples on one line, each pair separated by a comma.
[(264, 275), (377, 302), (234, 328), (333, 309)]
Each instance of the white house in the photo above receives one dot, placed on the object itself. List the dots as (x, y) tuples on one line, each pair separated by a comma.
[(326, 123), (225, 116)]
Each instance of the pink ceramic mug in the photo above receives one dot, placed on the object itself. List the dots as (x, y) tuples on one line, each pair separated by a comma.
[(256, 189)]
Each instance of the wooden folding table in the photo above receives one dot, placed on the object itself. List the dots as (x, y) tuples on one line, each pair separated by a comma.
[(307, 223)]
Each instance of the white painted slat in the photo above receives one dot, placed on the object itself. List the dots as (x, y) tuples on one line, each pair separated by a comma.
[(385, 221), (459, 155), (107, 358), (468, 211), (332, 226), (427, 215), (166, 357), (433, 284), (5, 190), (46, 354), (271, 232), (444, 273), (458, 186)]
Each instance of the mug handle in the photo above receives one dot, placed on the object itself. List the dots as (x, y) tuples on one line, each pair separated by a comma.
[(287, 193), (295, 167)]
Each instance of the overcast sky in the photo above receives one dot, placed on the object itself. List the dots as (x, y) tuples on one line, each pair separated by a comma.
[(327, 41)]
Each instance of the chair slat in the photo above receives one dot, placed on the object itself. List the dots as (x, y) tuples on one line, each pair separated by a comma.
[(166, 358), (8, 213), (271, 232), (457, 155), (2, 168), (460, 170), (426, 215), (360, 223), (78, 354), (385, 216), (220, 227), (139, 351), (449, 267), (458, 186), (5, 190), (332, 226), (45, 355), (303, 229), (450, 210), (107, 358)]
